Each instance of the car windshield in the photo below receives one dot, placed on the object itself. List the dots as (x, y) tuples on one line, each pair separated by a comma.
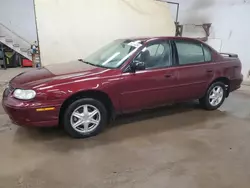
[(114, 54)]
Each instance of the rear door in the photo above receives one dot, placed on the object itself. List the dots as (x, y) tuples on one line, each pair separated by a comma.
[(195, 69)]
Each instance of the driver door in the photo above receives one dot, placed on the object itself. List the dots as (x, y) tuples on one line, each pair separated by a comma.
[(154, 85)]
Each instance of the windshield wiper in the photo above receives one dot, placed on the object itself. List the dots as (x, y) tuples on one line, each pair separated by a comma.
[(91, 63), (85, 61)]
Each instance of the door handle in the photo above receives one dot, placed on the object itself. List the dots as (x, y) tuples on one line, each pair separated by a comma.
[(210, 71), (168, 75)]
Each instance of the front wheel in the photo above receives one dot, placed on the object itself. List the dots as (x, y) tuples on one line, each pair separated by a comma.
[(214, 96), (85, 118)]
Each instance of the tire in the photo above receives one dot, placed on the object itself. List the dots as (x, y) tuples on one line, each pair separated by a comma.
[(79, 113), (209, 101)]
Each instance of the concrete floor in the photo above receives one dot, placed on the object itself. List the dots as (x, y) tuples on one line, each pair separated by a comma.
[(176, 146)]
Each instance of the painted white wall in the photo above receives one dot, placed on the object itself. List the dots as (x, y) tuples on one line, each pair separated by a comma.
[(18, 15), (230, 29), (69, 30)]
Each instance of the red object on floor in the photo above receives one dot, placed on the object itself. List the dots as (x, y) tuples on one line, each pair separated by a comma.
[(26, 63)]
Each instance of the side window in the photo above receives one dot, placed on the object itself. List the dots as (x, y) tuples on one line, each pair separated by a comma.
[(156, 49), (156, 55), (189, 52), (207, 54)]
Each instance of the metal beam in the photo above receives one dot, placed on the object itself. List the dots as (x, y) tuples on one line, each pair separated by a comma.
[(178, 7)]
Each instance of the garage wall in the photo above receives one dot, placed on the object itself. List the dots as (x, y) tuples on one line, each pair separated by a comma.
[(18, 15), (230, 29), (73, 29)]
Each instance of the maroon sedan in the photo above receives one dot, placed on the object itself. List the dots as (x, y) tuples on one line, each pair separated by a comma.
[(125, 76)]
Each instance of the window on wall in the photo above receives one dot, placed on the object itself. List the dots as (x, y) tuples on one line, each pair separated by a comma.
[(190, 52)]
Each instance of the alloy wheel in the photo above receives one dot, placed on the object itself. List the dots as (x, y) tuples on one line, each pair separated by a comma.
[(85, 118), (216, 96)]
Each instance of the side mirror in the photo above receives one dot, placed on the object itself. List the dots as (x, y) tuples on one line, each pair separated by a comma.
[(138, 65)]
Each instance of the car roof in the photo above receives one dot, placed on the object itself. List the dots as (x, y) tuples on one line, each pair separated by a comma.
[(146, 39)]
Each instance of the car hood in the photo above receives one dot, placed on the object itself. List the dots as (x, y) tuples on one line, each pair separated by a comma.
[(54, 72)]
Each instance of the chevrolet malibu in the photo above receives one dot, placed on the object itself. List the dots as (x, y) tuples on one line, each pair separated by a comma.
[(124, 76)]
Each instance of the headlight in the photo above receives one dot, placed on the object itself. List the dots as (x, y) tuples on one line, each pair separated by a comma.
[(24, 94)]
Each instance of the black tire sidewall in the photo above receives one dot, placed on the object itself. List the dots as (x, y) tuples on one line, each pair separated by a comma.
[(207, 104), (66, 119)]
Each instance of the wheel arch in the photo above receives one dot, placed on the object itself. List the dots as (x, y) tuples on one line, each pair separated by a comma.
[(224, 80), (95, 94)]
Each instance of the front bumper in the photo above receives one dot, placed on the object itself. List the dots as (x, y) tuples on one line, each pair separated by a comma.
[(24, 113)]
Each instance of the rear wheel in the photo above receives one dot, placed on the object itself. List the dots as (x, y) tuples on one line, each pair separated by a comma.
[(85, 118), (214, 96)]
